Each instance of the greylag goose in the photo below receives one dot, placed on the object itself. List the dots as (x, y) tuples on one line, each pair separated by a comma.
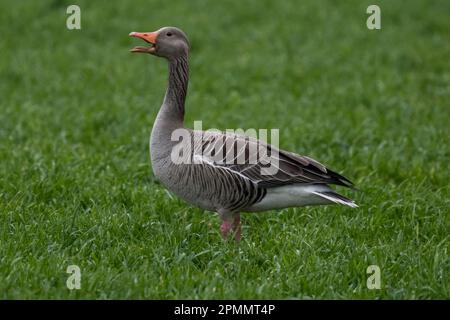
[(225, 172)]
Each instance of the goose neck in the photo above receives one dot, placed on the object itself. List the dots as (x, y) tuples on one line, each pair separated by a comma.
[(177, 88)]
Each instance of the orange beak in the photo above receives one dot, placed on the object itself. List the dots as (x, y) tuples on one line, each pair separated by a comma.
[(149, 37)]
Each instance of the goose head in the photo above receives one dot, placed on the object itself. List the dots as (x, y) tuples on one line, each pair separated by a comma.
[(167, 42)]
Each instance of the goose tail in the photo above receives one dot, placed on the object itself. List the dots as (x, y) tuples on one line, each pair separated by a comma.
[(335, 197)]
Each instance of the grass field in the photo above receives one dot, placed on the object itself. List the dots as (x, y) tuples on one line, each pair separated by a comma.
[(76, 185)]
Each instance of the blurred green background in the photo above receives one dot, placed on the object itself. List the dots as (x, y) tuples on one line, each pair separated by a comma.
[(76, 186)]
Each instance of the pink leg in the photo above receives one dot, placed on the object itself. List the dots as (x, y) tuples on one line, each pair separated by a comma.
[(225, 229), (237, 227), (231, 223)]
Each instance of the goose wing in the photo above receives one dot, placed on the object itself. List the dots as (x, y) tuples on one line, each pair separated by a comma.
[(261, 163)]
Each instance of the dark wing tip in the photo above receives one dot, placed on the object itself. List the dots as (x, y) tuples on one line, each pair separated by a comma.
[(340, 180)]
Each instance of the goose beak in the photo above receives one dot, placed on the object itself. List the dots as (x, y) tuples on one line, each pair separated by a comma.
[(149, 37)]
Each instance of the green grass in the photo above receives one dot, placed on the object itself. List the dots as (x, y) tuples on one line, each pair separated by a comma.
[(76, 186)]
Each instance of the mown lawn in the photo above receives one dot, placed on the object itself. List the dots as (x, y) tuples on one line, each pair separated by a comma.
[(76, 186)]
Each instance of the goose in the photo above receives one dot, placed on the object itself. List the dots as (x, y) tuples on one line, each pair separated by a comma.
[(225, 172)]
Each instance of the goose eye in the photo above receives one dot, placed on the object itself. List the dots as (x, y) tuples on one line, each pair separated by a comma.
[(169, 34)]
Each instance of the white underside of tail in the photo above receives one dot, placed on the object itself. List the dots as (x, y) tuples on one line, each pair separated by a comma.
[(298, 195), (337, 200)]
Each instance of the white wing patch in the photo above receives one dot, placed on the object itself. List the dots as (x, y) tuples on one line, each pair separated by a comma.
[(205, 160)]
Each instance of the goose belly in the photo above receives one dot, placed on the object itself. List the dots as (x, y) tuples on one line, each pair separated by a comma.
[(206, 188)]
